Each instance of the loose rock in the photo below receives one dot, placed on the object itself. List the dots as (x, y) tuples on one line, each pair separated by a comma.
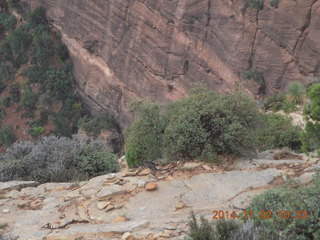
[(151, 186)]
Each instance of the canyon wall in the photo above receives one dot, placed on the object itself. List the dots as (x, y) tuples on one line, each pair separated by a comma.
[(156, 49)]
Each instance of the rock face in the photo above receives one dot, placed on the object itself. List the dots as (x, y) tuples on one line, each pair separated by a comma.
[(127, 49)]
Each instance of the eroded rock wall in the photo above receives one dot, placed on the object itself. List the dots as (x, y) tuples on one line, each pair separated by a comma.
[(156, 49)]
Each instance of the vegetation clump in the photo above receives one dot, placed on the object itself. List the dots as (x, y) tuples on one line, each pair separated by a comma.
[(56, 159)]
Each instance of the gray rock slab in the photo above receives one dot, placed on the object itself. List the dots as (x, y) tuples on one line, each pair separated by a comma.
[(16, 185), (109, 191)]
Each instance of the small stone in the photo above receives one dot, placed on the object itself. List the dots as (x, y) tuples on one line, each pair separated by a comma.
[(109, 207), (191, 165), (109, 191), (120, 219), (6, 211), (170, 228), (145, 172), (132, 173), (151, 186), (111, 176), (206, 167), (166, 234), (123, 174), (13, 194), (141, 184), (180, 205), (127, 236), (103, 205)]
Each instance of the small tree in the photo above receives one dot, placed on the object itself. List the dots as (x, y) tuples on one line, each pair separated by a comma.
[(311, 137), (7, 136), (145, 136), (296, 92)]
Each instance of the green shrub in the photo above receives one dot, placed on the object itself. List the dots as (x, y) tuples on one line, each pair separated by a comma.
[(2, 87), (7, 136), (15, 92), (296, 91), (277, 131), (59, 82), (37, 17), (292, 200), (279, 102), (8, 21), (29, 99), (43, 45), (5, 101), (311, 137), (3, 113), (94, 125), (35, 74), (219, 125), (145, 136), (258, 78), (6, 72), (36, 131), (19, 42), (13, 4), (5, 52), (62, 52), (258, 4), (95, 161)]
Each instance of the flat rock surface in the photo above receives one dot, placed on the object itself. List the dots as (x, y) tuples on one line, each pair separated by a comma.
[(16, 185), (56, 211)]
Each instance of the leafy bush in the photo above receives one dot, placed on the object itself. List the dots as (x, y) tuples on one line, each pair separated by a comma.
[(2, 87), (43, 45), (62, 52), (59, 82), (220, 125), (277, 131), (6, 72), (311, 137), (19, 42), (36, 131), (3, 113), (258, 4), (35, 74), (6, 101), (13, 3), (8, 21), (258, 78), (223, 230), (292, 200), (29, 99), (15, 92), (53, 159), (202, 126), (145, 136), (7, 136), (37, 17), (279, 102), (296, 92), (95, 161), (94, 125)]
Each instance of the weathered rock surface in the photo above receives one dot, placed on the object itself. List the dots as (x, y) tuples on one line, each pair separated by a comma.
[(92, 210), (157, 49), (15, 185)]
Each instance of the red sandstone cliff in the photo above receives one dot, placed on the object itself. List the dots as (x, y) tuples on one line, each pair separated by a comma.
[(156, 49)]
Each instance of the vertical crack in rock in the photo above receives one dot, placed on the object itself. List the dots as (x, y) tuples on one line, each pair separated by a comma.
[(303, 32), (208, 15), (254, 39)]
